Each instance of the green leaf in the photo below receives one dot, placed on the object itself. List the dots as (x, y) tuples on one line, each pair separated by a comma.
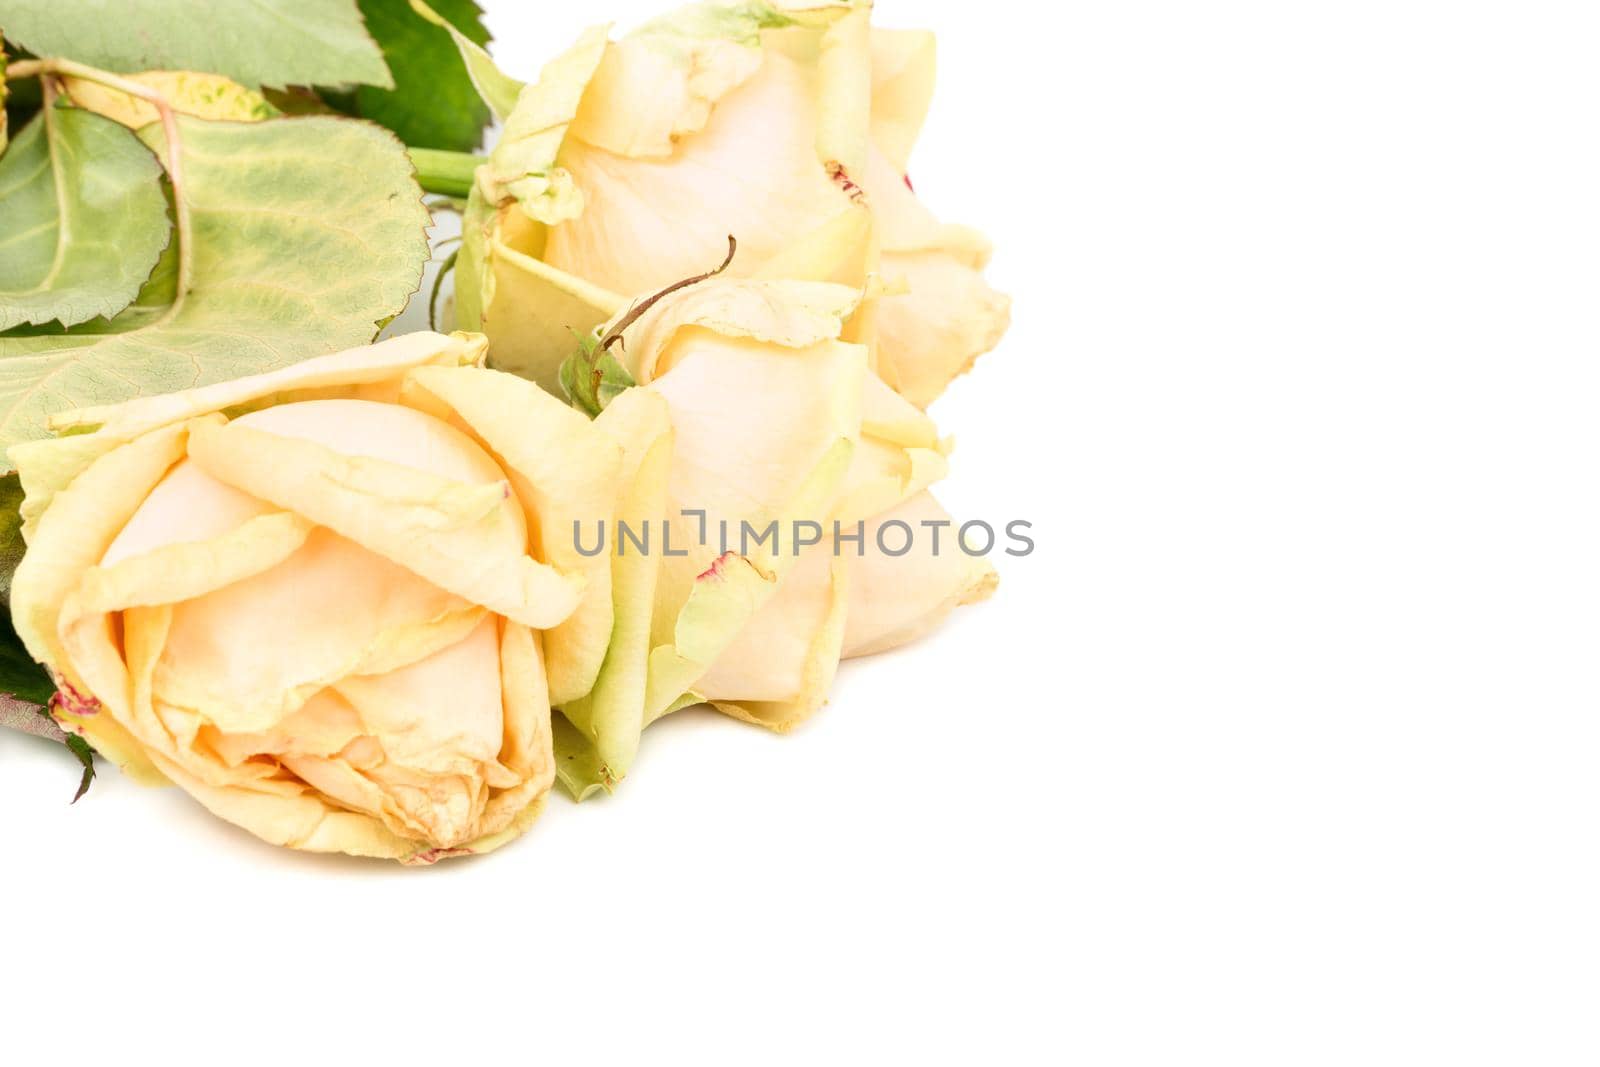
[(22, 104), (254, 42), (20, 676), (307, 234), (80, 748), (498, 89), (11, 547), (434, 103), (82, 219), (576, 376)]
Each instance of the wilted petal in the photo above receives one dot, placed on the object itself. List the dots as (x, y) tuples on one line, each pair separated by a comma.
[(903, 66), (465, 536), (564, 471), (522, 166), (371, 372), (752, 172), (896, 599), (605, 724)]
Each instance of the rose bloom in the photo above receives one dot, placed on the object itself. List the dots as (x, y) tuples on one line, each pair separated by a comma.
[(320, 600), (788, 126), (773, 418)]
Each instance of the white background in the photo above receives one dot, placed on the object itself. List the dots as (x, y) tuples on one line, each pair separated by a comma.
[(1280, 750)]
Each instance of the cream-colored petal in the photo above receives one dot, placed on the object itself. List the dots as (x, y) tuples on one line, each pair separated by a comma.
[(89, 511), (935, 331), (763, 435), (441, 713), (882, 476), (787, 314), (525, 692), (187, 566), (903, 65), (246, 655), (603, 735), (102, 704), (841, 250), (896, 599), (241, 648), (768, 658), (778, 669), (753, 421), (844, 94), (564, 471), (665, 80), (186, 507), (816, 671), (535, 311), (904, 222), (938, 314), (323, 726), (452, 533), (437, 728), (454, 711), (648, 92), (48, 465), (752, 172), (889, 417), (522, 166), (708, 612), (304, 821), (900, 455), (460, 740)]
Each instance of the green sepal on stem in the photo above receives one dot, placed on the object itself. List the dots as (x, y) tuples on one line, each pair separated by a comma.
[(80, 748), (592, 377)]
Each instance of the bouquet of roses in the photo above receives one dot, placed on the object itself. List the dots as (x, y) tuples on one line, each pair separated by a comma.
[(377, 598)]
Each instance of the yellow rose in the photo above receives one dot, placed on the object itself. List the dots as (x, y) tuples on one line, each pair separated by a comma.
[(330, 601), (787, 125), (776, 423)]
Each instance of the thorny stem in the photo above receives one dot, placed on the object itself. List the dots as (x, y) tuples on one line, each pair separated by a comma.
[(30, 68)]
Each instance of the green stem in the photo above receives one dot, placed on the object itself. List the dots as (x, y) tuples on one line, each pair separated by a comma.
[(445, 173)]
